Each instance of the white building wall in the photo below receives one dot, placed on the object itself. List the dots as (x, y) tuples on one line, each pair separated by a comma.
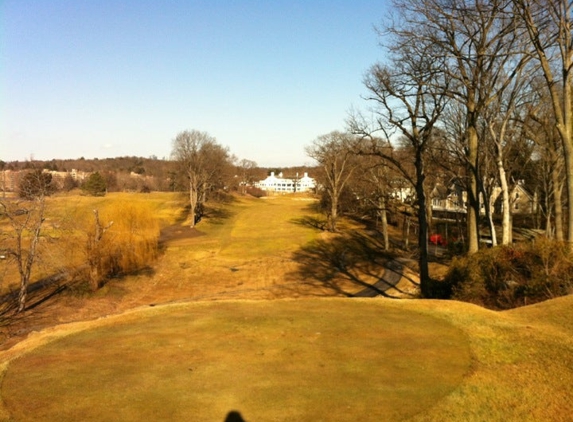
[(283, 185)]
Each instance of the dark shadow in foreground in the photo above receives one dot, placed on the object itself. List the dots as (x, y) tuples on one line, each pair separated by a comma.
[(234, 416)]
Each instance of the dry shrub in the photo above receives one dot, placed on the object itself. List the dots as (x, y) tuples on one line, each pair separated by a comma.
[(256, 192), (121, 239), (510, 276)]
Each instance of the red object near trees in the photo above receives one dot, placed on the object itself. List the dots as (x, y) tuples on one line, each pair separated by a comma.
[(437, 239)]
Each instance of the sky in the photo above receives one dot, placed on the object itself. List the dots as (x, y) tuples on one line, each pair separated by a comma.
[(111, 78)]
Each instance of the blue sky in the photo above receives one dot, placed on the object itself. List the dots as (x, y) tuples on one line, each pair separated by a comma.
[(103, 78)]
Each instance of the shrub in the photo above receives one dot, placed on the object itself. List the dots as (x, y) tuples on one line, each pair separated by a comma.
[(95, 185), (510, 276), (123, 240), (256, 192), (35, 184)]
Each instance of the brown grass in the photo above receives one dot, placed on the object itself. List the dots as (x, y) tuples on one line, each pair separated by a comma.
[(373, 359), (282, 360)]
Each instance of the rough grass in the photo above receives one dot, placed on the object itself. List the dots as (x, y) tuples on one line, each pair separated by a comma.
[(68, 218)]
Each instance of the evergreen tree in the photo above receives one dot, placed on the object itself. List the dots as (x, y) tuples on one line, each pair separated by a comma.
[(95, 185)]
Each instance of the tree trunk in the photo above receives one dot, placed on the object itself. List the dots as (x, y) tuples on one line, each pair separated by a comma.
[(25, 267), (506, 205), (473, 192), (406, 232), (192, 205), (333, 211), (384, 221), (95, 253), (423, 226), (23, 294), (557, 202), (569, 180), (489, 210)]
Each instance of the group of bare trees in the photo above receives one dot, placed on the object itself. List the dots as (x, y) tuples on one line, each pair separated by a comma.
[(480, 90), (203, 163)]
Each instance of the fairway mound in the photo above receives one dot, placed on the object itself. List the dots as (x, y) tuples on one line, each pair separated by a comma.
[(556, 312), (304, 360)]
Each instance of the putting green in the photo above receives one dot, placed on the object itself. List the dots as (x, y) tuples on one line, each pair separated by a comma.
[(304, 360)]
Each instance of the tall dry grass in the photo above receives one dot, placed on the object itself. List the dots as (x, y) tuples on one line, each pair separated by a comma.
[(130, 243), (121, 238)]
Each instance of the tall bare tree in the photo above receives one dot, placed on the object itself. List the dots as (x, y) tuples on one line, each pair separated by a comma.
[(373, 187), (245, 169), (333, 153), (549, 25), (503, 120), (476, 39), (26, 218), (540, 127), (406, 102), (202, 161)]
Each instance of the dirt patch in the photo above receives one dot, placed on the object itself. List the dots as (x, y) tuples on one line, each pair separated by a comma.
[(178, 232)]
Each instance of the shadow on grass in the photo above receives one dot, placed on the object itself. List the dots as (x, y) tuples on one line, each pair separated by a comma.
[(353, 265), (216, 214), (234, 416), (44, 293), (312, 222)]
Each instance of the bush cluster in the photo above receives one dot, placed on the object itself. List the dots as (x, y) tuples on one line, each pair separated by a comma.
[(511, 276)]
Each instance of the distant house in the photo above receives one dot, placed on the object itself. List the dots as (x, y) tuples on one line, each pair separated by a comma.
[(520, 199), (281, 184), (450, 198), (453, 199)]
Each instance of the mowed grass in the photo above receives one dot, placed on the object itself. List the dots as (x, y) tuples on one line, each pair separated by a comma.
[(328, 359), (243, 248), (306, 360)]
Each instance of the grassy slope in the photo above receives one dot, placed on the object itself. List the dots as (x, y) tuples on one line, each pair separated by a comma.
[(518, 365), (304, 360)]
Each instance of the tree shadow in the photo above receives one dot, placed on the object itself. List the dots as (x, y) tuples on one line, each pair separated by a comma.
[(312, 222), (353, 265), (217, 215), (39, 292), (48, 291)]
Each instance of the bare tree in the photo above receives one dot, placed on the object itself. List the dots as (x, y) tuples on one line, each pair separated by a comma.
[(549, 25), (26, 218), (503, 120), (406, 102), (477, 43), (540, 127), (95, 253), (374, 189), (333, 152), (202, 160), (245, 169)]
